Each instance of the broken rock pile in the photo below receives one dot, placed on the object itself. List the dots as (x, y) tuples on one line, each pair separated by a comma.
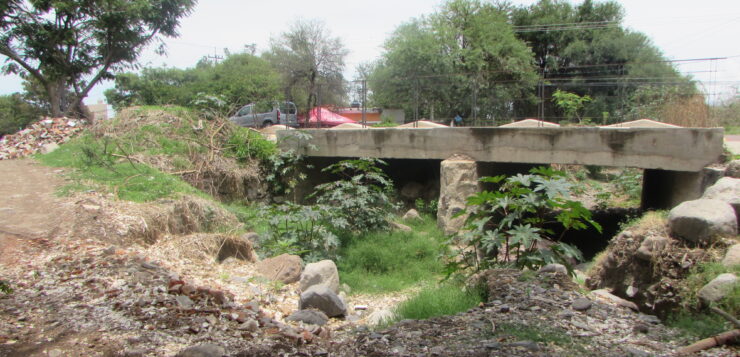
[(42, 136)]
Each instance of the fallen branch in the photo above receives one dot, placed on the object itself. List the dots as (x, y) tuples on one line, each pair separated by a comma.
[(718, 340), (727, 316)]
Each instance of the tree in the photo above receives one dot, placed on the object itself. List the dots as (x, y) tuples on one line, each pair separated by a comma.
[(583, 49), (311, 63), (239, 79), (16, 113), (74, 44), (570, 103), (462, 59)]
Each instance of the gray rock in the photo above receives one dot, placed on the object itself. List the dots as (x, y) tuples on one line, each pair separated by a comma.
[(652, 246), (250, 325), (320, 273), (727, 189), (49, 148), (554, 268), (411, 214), (314, 317), (284, 267), (458, 181), (633, 351), (702, 220), (204, 350), (184, 301), (608, 296), (733, 169), (581, 304), (530, 345), (718, 288), (323, 298), (732, 257)]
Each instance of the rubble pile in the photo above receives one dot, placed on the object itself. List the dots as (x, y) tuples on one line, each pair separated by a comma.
[(39, 137)]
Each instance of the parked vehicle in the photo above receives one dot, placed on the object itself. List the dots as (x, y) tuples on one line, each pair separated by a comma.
[(260, 115)]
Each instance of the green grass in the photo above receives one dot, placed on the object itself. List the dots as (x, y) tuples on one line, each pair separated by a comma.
[(696, 326), (732, 130), (249, 214), (703, 274), (439, 300), (544, 334), (97, 170), (383, 262)]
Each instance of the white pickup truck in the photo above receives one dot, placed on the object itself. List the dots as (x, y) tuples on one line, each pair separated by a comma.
[(259, 115)]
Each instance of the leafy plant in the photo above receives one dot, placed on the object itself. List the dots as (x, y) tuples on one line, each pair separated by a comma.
[(630, 182), (362, 195), (509, 225), (5, 287), (283, 167), (424, 207), (301, 230), (246, 144), (570, 103)]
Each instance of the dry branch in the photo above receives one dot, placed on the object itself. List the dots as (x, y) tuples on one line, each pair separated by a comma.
[(718, 340)]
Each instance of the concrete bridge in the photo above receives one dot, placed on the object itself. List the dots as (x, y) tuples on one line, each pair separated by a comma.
[(673, 158)]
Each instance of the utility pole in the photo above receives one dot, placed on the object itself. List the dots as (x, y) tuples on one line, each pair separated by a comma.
[(416, 103), (215, 56), (364, 100)]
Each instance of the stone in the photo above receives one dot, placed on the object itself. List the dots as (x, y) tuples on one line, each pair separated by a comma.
[(313, 317), (581, 304), (49, 148), (250, 325), (702, 220), (458, 181), (633, 351), (613, 299), (632, 291), (652, 246), (718, 288), (184, 301), (411, 214), (733, 169), (320, 273), (732, 257), (529, 345), (204, 350), (323, 298), (726, 189), (554, 268), (401, 227), (285, 268)]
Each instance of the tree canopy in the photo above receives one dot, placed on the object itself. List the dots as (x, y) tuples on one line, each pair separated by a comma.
[(239, 79), (310, 61), (71, 45)]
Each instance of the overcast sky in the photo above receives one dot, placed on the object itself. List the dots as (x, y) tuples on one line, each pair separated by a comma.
[(682, 29)]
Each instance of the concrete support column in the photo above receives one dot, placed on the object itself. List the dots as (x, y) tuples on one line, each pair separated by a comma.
[(663, 189)]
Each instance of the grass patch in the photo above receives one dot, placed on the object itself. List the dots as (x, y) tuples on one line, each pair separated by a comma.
[(696, 326), (703, 274), (249, 214), (732, 130), (382, 262), (97, 169), (440, 300), (544, 334)]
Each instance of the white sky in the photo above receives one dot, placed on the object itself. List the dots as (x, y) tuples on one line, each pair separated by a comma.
[(682, 29)]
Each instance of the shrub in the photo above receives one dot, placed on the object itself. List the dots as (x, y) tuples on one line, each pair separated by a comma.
[(246, 144), (509, 225), (362, 195)]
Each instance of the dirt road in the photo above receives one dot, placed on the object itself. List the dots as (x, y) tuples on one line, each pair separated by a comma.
[(29, 211)]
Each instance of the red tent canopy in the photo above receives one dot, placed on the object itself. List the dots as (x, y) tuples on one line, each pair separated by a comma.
[(327, 118)]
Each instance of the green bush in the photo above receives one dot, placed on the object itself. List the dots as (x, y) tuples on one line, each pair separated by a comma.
[(507, 225), (16, 113), (362, 195), (304, 230), (246, 144)]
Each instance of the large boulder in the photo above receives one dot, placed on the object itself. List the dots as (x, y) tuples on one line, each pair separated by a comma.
[(412, 214), (732, 257), (733, 169), (702, 220), (718, 288), (458, 181), (321, 297), (320, 273), (284, 267), (726, 189)]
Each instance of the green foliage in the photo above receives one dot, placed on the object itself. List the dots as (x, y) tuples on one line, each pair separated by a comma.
[(98, 166), (509, 225), (361, 195), (440, 300), (424, 207), (210, 87), (16, 113), (386, 122), (629, 182), (245, 144), (75, 43), (303, 230), (465, 49), (695, 326), (5, 287), (702, 274), (387, 261), (570, 103)]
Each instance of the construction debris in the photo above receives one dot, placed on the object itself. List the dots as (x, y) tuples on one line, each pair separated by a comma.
[(41, 136)]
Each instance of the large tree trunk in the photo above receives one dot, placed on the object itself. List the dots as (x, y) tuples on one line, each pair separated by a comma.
[(55, 99)]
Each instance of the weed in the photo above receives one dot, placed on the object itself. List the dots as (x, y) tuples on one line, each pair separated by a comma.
[(5, 287), (424, 207), (385, 261), (694, 326), (440, 300), (246, 144), (302, 230)]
